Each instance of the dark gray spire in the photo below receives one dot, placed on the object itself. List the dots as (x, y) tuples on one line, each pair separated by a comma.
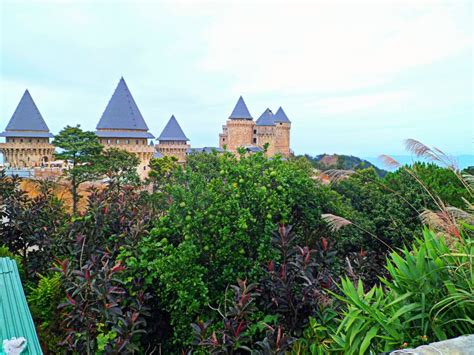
[(280, 116), (240, 111), (122, 112), (266, 119), (27, 120), (172, 131)]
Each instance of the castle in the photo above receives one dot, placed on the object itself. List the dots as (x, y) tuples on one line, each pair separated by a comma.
[(269, 129), (27, 137)]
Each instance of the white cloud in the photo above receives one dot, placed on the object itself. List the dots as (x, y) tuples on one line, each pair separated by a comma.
[(325, 46), (355, 103)]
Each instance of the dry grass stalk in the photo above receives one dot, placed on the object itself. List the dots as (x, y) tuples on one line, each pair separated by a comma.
[(336, 175), (389, 161), (335, 222), (435, 155)]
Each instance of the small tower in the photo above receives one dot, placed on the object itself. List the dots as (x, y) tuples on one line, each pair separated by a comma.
[(122, 126), (266, 131), (239, 129), (172, 141), (26, 137), (283, 128)]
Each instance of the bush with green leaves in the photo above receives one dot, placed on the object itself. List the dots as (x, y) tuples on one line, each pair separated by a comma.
[(221, 212), (43, 300), (427, 298)]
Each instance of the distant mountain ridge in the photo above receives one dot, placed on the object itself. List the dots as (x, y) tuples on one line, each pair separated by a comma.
[(340, 161)]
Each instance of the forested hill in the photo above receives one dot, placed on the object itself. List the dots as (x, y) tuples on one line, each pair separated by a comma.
[(346, 162)]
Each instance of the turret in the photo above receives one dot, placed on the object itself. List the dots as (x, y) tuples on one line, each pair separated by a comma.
[(122, 126), (172, 141), (283, 129), (26, 137)]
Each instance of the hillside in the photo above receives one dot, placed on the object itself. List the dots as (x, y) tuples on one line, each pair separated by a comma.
[(346, 162)]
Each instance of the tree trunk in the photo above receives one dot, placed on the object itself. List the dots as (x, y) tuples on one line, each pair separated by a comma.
[(75, 197)]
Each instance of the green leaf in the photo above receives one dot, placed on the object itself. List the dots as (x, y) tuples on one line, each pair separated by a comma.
[(368, 338)]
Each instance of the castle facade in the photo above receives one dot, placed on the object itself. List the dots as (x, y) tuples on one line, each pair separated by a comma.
[(269, 130), (122, 126)]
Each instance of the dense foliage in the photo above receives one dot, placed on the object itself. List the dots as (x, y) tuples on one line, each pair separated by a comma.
[(243, 254)]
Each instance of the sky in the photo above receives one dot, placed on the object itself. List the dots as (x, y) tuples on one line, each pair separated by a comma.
[(354, 77)]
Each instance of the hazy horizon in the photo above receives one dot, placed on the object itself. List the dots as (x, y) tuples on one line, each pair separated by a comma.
[(354, 78)]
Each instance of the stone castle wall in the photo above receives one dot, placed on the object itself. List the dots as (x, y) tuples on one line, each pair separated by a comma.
[(27, 152), (239, 133), (177, 149), (139, 147), (245, 133), (282, 138), (266, 135)]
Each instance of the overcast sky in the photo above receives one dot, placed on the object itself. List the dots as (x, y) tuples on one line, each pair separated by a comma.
[(353, 77)]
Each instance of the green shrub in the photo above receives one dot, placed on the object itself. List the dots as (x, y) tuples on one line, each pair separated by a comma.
[(428, 297), (43, 301)]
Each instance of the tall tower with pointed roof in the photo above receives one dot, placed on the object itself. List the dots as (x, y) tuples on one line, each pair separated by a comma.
[(265, 131), (239, 128), (26, 137), (122, 126), (172, 141), (282, 133)]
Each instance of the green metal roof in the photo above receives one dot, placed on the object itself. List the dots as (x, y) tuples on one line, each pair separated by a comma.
[(15, 316)]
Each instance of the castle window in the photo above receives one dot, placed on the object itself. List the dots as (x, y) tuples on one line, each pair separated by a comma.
[(223, 139), (136, 141), (281, 123), (21, 140), (127, 141), (144, 168), (117, 141), (29, 140), (255, 140), (38, 140), (254, 131), (109, 141)]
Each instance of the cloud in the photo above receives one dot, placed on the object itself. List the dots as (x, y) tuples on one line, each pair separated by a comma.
[(323, 47), (352, 104)]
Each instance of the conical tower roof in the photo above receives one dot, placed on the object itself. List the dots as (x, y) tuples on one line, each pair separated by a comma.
[(172, 132), (122, 112), (27, 120), (280, 116), (266, 119), (240, 111)]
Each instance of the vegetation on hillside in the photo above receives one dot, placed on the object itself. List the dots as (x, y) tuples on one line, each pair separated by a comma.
[(325, 162), (244, 254)]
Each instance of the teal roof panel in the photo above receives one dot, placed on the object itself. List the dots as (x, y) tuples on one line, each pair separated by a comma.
[(15, 317)]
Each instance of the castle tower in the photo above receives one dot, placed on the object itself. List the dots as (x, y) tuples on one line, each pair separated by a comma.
[(26, 137), (122, 126), (239, 129), (172, 141), (282, 134), (266, 131)]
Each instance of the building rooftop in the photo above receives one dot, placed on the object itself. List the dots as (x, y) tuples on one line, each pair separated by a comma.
[(207, 150), (266, 119), (281, 117), (27, 120), (172, 132), (240, 111), (124, 134), (122, 112), (157, 155)]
